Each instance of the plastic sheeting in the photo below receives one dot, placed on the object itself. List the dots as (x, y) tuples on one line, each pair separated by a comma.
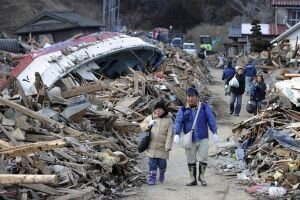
[(283, 137)]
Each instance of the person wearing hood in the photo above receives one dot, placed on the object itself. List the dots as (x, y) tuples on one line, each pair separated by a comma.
[(199, 149), (160, 124)]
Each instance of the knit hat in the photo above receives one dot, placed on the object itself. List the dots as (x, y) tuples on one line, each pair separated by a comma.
[(161, 105), (192, 91)]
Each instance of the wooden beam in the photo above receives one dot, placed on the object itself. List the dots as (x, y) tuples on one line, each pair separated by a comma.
[(41, 188), (32, 148), (4, 144), (10, 179), (81, 90), (289, 76), (39, 117)]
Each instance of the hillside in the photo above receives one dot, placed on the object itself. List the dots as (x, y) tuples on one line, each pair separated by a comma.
[(184, 15)]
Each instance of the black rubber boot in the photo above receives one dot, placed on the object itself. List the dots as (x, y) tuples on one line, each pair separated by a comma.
[(202, 169), (193, 174)]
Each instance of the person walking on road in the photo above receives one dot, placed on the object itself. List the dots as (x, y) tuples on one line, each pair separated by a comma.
[(161, 125), (228, 73), (249, 72), (258, 92), (237, 92), (199, 149)]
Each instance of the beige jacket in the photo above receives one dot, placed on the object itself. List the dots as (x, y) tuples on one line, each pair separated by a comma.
[(161, 136)]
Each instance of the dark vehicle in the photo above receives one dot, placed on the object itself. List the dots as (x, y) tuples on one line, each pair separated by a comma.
[(177, 42)]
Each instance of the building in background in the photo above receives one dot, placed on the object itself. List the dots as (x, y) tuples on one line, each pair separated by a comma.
[(240, 36), (286, 11), (57, 26)]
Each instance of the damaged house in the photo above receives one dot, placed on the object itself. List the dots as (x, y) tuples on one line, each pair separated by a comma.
[(57, 26)]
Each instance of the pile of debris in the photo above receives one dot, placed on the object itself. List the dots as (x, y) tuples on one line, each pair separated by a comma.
[(267, 157), (70, 112)]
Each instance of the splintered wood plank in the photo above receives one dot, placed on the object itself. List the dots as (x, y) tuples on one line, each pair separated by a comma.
[(31, 148), (9, 179), (81, 90), (123, 105), (42, 188)]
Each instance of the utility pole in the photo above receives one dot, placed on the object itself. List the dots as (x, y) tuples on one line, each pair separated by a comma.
[(111, 14)]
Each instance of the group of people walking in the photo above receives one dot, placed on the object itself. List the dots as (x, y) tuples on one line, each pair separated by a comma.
[(248, 81), (164, 132), (197, 117)]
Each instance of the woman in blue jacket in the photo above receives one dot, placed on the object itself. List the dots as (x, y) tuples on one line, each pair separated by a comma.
[(199, 150)]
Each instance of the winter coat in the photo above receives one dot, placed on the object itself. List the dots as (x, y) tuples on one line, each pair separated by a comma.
[(241, 89), (228, 72), (250, 70), (185, 118), (161, 136), (258, 91)]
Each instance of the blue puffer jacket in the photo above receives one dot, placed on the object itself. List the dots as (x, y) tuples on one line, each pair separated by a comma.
[(185, 117), (228, 72), (250, 70)]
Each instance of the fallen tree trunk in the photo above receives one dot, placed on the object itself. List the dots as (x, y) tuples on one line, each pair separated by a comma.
[(10, 179)]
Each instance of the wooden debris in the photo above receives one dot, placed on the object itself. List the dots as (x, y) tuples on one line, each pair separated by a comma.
[(31, 148), (9, 179)]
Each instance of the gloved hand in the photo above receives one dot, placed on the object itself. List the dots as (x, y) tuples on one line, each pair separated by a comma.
[(215, 137), (151, 123), (176, 139)]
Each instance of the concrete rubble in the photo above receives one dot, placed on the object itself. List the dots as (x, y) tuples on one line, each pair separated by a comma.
[(70, 112)]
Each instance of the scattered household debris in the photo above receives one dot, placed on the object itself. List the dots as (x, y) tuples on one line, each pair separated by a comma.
[(266, 154), (69, 114)]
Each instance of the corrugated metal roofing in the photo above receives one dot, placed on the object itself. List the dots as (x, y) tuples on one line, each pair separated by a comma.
[(281, 28), (285, 3)]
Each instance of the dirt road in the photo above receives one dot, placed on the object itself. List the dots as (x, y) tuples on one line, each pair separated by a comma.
[(219, 187)]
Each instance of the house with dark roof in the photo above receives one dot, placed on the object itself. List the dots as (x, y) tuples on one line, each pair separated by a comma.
[(286, 11), (58, 26)]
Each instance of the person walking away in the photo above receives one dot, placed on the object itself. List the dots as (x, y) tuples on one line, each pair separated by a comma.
[(161, 125), (249, 72), (199, 150), (258, 92), (237, 92), (228, 73)]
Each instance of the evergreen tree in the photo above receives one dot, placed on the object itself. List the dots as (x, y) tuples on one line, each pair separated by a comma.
[(258, 44)]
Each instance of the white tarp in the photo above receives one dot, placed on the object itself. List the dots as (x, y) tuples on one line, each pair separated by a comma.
[(291, 89)]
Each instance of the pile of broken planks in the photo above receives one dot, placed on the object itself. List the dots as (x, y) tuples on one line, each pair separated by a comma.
[(76, 139), (268, 155)]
